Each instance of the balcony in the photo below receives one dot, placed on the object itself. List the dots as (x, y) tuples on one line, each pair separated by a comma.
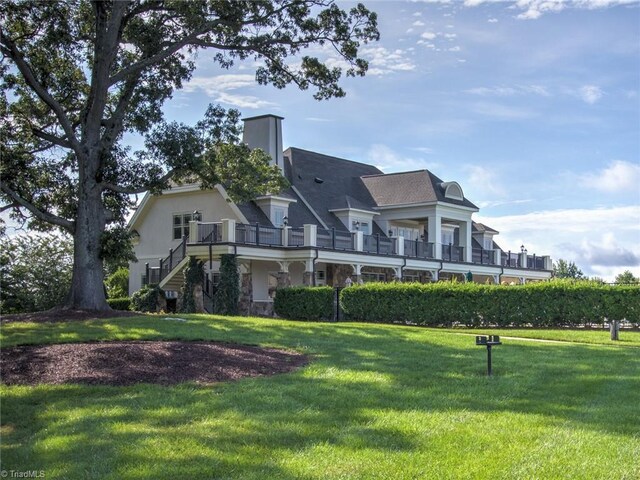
[(310, 236)]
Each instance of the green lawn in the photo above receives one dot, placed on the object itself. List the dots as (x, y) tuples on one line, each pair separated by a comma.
[(378, 401)]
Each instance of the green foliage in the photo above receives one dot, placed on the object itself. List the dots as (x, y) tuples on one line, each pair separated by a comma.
[(35, 272), (304, 303), (227, 296), (146, 299), (118, 283), (193, 275), (123, 303), (79, 76), (564, 269), (627, 277), (547, 304), (376, 402)]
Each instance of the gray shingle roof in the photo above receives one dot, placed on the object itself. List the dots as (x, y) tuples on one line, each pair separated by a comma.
[(326, 181), (420, 186)]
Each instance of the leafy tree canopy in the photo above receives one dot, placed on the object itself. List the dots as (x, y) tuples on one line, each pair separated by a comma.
[(565, 269), (77, 75), (627, 277), (35, 272)]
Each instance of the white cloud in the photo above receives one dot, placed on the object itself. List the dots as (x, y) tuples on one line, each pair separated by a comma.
[(383, 61), (590, 93), (493, 20), (418, 23), (595, 239), (428, 35), (389, 160), (618, 177), (504, 91), (219, 86), (501, 112), (483, 181), (534, 9)]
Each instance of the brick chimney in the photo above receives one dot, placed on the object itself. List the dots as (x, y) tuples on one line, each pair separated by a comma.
[(265, 132)]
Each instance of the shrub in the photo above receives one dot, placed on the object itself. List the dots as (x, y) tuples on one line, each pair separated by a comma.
[(228, 294), (193, 275), (118, 283), (146, 299), (547, 304), (123, 303), (304, 303)]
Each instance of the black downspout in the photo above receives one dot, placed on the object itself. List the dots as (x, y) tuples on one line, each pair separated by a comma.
[(439, 270), (313, 282)]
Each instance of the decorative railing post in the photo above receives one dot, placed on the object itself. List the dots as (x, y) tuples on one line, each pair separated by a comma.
[(160, 271), (184, 246), (333, 238), (310, 235), (399, 250), (257, 233), (170, 259), (378, 243), (146, 273), (450, 248), (228, 230), (193, 231)]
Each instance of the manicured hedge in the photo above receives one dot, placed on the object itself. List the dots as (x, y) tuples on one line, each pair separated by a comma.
[(123, 303), (547, 304), (304, 303)]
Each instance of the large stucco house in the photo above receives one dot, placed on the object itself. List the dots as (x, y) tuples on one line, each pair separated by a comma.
[(339, 222)]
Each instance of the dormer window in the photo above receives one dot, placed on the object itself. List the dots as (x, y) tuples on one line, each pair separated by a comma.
[(276, 207), (453, 190)]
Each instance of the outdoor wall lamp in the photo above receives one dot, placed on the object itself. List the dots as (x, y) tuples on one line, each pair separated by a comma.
[(285, 220)]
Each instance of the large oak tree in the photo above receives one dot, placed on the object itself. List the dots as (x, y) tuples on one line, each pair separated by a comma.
[(78, 75)]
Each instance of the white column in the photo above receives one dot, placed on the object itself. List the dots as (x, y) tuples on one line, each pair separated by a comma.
[(228, 230), (193, 231), (435, 235), (522, 260), (359, 241), (310, 235), (548, 263), (399, 245), (285, 236), (497, 256), (464, 240)]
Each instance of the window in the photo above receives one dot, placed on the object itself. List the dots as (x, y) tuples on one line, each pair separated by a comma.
[(362, 226), (181, 223), (488, 243), (321, 277), (278, 217), (447, 237)]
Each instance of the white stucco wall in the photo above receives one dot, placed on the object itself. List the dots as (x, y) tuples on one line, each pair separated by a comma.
[(155, 225)]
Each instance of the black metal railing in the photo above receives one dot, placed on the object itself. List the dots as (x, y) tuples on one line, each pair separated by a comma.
[(335, 239), (257, 234), (296, 237), (210, 232), (418, 249), (482, 256), (379, 245), (453, 253), (534, 262), (509, 259)]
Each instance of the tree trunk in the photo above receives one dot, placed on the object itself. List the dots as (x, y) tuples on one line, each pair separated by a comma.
[(87, 284)]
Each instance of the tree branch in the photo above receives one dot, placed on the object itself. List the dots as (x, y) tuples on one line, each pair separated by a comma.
[(61, 142), (135, 190), (44, 216), (10, 49)]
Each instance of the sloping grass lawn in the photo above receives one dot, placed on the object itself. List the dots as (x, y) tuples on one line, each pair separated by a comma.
[(377, 402)]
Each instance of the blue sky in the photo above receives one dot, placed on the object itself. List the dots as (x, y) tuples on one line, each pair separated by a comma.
[(532, 106)]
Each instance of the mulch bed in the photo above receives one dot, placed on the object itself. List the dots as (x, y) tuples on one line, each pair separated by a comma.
[(128, 363)]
